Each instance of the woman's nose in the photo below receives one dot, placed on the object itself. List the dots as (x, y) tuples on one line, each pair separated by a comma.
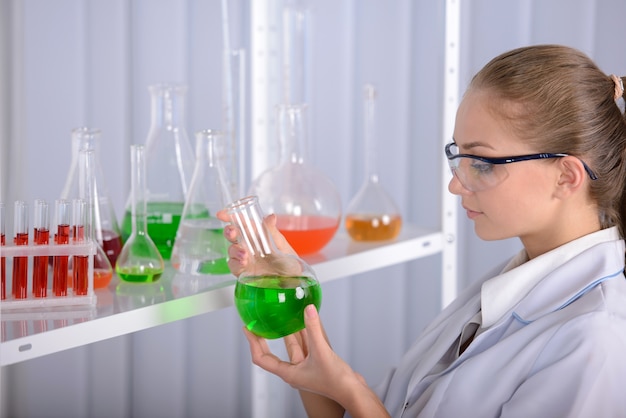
[(455, 186)]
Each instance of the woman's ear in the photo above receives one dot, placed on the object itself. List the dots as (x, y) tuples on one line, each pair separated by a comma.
[(572, 176)]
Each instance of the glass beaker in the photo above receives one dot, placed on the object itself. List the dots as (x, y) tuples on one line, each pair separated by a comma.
[(200, 246), (140, 259), (275, 287), (89, 193), (372, 215), (169, 164), (106, 230), (305, 201)]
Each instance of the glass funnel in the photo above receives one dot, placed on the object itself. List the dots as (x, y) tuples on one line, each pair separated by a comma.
[(305, 201), (140, 259), (169, 163), (200, 246), (275, 287), (106, 230), (372, 215)]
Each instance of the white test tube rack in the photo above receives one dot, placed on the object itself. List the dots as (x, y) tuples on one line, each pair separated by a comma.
[(9, 252)]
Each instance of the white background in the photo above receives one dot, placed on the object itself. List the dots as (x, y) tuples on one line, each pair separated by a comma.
[(69, 63)]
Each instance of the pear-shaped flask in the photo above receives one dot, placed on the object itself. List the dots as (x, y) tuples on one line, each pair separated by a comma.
[(169, 165), (372, 215), (106, 230), (140, 259), (200, 246), (306, 202), (274, 287)]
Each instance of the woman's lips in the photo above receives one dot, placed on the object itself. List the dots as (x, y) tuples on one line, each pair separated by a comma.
[(471, 214)]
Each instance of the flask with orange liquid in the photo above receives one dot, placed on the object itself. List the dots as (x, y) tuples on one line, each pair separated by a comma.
[(305, 201), (372, 215)]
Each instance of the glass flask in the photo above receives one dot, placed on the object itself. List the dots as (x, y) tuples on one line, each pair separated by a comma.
[(106, 230), (89, 193), (140, 259), (305, 201), (275, 287), (200, 246), (372, 215), (169, 163)]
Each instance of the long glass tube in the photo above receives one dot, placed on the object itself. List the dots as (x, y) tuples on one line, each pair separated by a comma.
[(62, 237), (3, 261), (20, 264), (41, 236)]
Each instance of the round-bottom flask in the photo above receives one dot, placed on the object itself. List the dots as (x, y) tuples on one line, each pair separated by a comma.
[(275, 287), (306, 203)]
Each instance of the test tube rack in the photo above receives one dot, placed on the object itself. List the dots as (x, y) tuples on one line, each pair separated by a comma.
[(87, 248)]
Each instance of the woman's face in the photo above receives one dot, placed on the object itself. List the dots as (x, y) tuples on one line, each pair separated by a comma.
[(523, 204)]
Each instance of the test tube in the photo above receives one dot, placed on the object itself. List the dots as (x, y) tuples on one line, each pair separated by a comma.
[(41, 236), (20, 263), (80, 270), (3, 261), (60, 262)]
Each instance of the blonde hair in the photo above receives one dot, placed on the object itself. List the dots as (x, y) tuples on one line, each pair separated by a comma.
[(559, 101)]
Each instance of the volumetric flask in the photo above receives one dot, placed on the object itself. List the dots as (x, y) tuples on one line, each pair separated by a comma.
[(106, 231), (140, 260), (200, 246), (275, 287), (372, 215), (306, 203), (169, 165)]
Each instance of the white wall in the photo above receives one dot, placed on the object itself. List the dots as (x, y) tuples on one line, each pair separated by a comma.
[(67, 63)]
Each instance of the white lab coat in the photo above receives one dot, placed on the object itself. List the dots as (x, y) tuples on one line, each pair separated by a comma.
[(559, 350)]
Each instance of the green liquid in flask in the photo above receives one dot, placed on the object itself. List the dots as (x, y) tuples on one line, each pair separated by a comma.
[(139, 274), (162, 221), (273, 306)]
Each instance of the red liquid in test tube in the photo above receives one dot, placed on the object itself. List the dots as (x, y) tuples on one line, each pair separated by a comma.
[(80, 273), (3, 261), (41, 236), (20, 264), (60, 262)]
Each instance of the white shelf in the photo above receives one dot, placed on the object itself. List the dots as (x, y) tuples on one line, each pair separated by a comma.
[(124, 308)]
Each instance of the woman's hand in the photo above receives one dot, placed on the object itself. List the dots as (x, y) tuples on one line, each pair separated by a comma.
[(315, 367), (238, 253)]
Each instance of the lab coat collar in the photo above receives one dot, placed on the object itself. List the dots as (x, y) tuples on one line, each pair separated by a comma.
[(553, 278)]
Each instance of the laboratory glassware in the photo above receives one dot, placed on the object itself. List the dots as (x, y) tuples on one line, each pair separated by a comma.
[(169, 164), (20, 264), (60, 263), (200, 246), (275, 287), (79, 263), (41, 236), (106, 230), (3, 260), (88, 191), (140, 259), (305, 201), (372, 215)]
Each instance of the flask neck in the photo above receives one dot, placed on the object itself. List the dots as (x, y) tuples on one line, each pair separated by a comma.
[(167, 106), (138, 190), (369, 132), (292, 133), (246, 214)]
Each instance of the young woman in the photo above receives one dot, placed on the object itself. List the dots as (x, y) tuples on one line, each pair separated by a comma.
[(539, 153)]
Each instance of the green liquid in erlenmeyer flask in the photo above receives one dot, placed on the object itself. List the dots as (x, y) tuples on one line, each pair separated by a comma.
[(139, 274), (201, 247), (163, 219), (273, 306)]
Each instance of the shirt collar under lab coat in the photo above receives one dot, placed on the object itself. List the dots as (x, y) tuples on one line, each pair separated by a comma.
[(502, 293)]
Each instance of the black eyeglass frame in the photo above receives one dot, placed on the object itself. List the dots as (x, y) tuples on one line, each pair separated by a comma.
[(514, 159)]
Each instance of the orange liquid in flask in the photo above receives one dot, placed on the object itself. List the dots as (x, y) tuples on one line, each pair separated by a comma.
[(307, 234)]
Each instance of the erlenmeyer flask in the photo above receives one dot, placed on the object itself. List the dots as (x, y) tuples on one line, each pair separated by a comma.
[(104, 222), (275, 287), (169, 165), (139, 260), (305, 201), (372, 215), (89, 192), (200, 246)]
